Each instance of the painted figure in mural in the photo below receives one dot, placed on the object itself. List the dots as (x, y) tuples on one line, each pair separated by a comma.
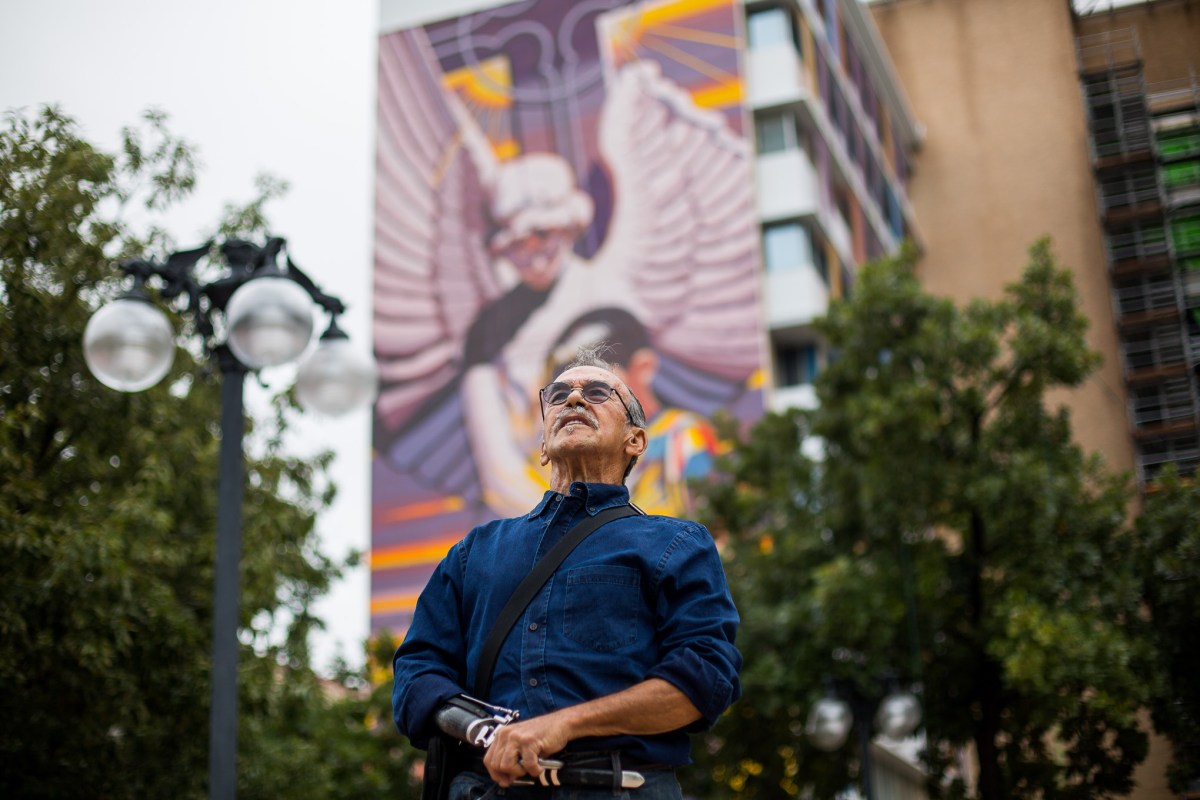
[(623, 653), (477, 265)]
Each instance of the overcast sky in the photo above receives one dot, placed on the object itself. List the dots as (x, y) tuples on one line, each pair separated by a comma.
[(279, 86)]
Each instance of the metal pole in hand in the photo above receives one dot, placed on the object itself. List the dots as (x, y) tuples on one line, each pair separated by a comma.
[(222, 739)]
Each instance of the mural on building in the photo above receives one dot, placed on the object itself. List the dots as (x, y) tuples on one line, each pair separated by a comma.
[(550, 174)]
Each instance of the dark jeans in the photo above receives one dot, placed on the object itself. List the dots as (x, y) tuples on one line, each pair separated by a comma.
[(659, 785)]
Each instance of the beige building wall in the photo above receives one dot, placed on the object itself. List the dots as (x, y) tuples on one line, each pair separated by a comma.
[(1004, 162)]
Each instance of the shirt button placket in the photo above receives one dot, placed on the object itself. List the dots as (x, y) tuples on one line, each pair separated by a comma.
[(533, 657)]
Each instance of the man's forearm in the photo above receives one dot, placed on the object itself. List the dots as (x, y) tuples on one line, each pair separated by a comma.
[(650, 707)]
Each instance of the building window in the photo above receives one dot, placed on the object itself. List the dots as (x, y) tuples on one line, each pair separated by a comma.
[(786, 246), (769, 27), (775, 131), (895, 216), (795, 364), (837, 106)]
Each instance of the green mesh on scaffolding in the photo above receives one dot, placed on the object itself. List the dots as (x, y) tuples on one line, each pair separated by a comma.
[(1175, 144), (1185, 235)]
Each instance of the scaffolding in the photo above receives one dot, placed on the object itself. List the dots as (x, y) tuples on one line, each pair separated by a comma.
[(1144, 142)]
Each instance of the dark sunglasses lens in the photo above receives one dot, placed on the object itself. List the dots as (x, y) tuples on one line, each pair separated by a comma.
[(596, 393)]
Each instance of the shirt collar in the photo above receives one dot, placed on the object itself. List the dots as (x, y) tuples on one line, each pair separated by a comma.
[(595, 497)]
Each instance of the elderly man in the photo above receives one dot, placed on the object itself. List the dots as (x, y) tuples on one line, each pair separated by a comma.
[(627, 648)]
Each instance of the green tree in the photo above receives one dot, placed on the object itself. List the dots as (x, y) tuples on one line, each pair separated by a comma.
[(309, 738), (1167, 556), (107, 514), (951, 536)]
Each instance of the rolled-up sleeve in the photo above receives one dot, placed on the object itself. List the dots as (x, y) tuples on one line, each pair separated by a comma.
[(697, 623), (428, 665)]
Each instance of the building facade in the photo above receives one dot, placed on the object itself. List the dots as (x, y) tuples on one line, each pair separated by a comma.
[(1142, 103), (1042, 121), (835, 140)]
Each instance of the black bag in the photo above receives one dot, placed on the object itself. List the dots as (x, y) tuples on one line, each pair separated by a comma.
[(444, 759)]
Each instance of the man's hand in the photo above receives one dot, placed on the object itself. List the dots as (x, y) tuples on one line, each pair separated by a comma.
[(517, 747), (652, 706)]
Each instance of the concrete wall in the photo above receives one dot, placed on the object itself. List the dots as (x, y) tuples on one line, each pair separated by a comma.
[(1005, 162)]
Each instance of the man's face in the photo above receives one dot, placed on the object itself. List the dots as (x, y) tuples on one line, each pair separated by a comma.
[(580, 428)]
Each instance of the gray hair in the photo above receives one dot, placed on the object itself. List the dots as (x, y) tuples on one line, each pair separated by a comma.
[(592, 355)]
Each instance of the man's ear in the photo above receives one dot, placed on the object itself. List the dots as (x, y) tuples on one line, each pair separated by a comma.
[(635, 443), (544, 459)]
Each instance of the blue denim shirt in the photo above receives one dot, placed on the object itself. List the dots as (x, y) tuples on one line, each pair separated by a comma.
[(642, 597)]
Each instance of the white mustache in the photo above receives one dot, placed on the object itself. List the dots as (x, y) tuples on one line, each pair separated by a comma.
[(578, 411)]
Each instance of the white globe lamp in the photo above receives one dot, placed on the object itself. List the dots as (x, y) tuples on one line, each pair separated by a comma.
[(898, 716), (829, 724), (129, 344), (337, 378), (270, 321)]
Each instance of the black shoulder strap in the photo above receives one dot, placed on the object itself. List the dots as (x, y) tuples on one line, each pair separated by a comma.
[(531, 585)]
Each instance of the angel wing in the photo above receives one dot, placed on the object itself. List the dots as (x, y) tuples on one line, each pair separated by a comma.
[(684, 230), (432, 270)]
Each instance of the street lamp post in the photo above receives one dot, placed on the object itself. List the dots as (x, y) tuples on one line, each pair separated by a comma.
[(266, 313), (831, 717)]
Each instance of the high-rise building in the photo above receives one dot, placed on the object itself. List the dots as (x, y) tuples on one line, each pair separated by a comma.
[(1043, 120), (834, 139)]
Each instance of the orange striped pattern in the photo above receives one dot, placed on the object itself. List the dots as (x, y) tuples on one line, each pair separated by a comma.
[(407, 555), (430, 508), (393, 603)]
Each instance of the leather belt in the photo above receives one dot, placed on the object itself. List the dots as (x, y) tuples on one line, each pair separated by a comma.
[(596, 769)]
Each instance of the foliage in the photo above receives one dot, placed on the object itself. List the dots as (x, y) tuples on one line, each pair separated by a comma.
[(107, 514), (313, 739), (1168, 561), (953, 537)]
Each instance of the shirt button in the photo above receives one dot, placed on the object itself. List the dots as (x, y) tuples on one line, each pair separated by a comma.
[(558, 498), (533, 626), (533, 681)]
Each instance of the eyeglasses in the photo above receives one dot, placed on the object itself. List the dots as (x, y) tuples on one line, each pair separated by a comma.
[(595, 392)]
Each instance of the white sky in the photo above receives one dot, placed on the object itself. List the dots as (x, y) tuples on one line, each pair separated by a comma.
[(279, 86)]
